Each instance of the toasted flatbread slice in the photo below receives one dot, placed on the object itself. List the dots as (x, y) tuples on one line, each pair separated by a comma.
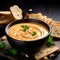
[(5, 13), (39, 16), (5, 19), (45, 52), (55, 29), (49, 21), (16, 12)]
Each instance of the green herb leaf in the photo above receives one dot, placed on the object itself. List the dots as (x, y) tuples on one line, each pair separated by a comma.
[(25, 27), (33, 33), (11, 51), (50, 41), (2, 45)]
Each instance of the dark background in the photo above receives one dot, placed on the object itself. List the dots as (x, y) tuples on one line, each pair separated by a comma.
[(51, 8)]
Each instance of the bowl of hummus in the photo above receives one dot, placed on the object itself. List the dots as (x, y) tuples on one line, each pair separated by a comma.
[(27, 35)]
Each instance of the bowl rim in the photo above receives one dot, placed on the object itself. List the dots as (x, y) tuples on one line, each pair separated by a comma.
[(30, 20)]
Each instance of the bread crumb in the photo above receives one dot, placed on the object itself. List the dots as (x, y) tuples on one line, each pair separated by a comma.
[(30, 9), (3, 38)]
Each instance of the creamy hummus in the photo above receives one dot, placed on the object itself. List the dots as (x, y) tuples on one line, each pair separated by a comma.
[(17, 32)]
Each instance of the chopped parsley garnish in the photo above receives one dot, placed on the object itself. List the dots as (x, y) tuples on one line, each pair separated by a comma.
[(33, 33), (11, 51), (2, 45), (25, 27), (50, 41)]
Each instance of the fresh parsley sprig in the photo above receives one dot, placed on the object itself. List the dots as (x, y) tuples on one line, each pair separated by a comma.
[(33, 33), (11, 51), (50, 41), (25, 27), (3, 45)]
